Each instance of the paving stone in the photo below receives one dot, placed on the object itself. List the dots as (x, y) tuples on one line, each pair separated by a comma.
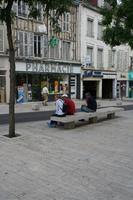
[(91, 162)]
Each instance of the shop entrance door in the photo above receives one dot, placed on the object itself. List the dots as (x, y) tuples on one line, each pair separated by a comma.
[(2, 89), (107, 88), (90, 86)]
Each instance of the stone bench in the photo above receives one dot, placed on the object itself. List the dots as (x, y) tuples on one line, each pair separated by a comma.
[(69, 121)]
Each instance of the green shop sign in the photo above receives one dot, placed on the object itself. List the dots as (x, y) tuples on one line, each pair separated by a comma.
[(53, 41), (130, 75)]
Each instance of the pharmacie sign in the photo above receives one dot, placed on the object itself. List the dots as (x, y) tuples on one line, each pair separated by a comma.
[(44, 68)]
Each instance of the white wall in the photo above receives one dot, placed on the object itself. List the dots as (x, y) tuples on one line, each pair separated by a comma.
[(95, 43)]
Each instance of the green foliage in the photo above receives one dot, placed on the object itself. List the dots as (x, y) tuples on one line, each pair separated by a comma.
[(118, 22)]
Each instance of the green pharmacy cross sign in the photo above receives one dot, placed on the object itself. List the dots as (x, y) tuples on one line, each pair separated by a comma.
[(53, 41)]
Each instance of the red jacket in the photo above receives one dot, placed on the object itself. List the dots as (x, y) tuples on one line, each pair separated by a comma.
[(70, 106)]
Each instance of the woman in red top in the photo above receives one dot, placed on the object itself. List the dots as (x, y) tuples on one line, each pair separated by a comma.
[(70, 105)]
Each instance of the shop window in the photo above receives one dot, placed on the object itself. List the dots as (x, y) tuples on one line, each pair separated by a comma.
[(58, 84)]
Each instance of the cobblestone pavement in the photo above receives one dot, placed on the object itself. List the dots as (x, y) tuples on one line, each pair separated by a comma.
[(90, 162)]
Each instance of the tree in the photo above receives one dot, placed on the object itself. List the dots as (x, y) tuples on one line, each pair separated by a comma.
[(118, 22), (7, 16)]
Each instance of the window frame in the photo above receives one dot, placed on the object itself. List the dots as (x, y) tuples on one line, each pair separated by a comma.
[(90, 34), (22, 13), (65, 45), (92, 54), (66, 18), (100, 64), (2, 40)]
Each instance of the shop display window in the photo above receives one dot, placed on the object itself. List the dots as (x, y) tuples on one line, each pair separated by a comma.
[(32, 84), (58, 84)]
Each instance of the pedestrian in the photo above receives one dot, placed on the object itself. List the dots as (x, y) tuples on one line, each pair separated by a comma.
[(91, 104), (45, 93), (70, 105), (58, 110)]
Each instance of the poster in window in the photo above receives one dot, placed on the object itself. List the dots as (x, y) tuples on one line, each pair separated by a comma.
[(56, 85)]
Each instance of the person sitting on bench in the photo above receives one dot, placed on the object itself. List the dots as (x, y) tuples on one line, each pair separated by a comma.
[(70, 105), (58, 110), (91, 104)]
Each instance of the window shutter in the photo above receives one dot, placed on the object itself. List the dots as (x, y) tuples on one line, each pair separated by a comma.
[(100, 58), (1, 40), (21, 42), (15, 8), (45, 45), (90, 28), (30, 44), (109, 58), (26, 43)]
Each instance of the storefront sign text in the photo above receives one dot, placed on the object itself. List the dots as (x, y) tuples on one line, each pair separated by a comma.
[(53, 68), (92, 74)]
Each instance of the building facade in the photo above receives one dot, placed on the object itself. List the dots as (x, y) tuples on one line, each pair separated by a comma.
[(43, 57), (73, 61), (104, 70)]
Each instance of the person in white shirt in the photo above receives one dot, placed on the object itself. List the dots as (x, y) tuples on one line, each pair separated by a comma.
[(45, 94), (58, 110)]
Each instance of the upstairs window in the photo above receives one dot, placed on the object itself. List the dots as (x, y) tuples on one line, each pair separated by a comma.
[(90, 27), (89, 56), (100, 58), (65, 50), (37, 45), (100, 31), (22, 9), (30, 44), (1, 40), (111, 58), (66, 22), (38, 6), (25, 41)]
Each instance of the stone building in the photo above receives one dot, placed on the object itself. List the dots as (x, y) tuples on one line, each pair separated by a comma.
[(104, 70), (43, 57)]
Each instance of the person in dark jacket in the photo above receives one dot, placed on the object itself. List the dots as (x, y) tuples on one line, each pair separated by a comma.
[(91, 104)]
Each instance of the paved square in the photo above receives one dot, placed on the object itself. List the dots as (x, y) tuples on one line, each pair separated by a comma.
[(92, 162)]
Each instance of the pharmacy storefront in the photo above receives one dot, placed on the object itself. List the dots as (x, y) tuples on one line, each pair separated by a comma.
[(60, 78)]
